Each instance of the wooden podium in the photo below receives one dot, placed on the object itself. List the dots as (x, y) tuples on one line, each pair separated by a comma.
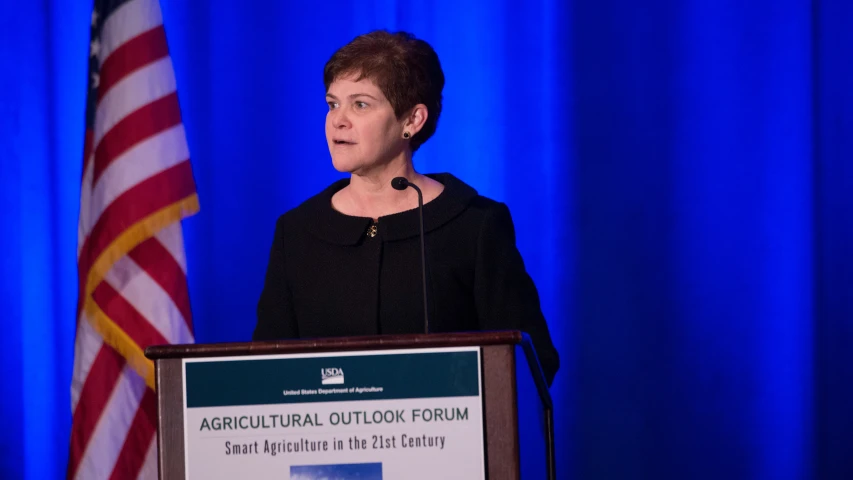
[(517, 412)]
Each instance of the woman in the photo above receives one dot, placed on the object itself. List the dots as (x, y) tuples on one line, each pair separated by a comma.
[(347, 261)]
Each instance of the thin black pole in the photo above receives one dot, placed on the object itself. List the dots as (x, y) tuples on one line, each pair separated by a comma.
[(423, 253)]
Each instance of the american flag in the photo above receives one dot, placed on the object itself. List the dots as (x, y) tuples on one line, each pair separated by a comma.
[(137, 185)]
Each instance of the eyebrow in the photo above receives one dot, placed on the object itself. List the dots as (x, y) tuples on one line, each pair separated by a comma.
[(354, 95)]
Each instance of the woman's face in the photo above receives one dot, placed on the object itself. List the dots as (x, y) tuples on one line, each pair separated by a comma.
[(361, 129)]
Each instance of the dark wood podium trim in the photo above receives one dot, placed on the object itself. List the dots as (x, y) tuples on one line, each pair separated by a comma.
[(169, 378), (376, 342), (499, 413)]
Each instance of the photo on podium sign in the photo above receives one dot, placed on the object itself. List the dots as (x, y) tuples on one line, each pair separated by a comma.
[(347, 471)]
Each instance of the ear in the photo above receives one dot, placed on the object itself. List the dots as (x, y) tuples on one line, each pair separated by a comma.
[(416, 119)]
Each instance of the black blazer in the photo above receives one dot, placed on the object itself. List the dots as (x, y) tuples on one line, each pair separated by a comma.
[(327, 276)]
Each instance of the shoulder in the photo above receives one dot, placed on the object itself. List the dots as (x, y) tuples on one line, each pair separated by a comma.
[(312, 209), (494, 220), (490, 216), (487, 207), (488, 212), (491, 219), (462, 193), (461, 205)]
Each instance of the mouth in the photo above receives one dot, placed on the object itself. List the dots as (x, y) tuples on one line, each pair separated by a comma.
[(342, 142)]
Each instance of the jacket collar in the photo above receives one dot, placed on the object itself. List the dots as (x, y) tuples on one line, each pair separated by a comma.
[(332, 226)]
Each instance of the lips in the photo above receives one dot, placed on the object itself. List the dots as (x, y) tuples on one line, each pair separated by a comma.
[(343, 142)]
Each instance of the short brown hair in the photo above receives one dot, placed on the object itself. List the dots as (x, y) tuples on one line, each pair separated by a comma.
[(405, 68)]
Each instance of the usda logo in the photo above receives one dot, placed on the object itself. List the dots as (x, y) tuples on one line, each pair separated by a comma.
[(332, 376)]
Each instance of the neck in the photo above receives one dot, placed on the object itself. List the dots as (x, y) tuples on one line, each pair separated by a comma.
[(371, 192)]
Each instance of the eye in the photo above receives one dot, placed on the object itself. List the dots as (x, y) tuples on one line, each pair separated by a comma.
[(332, 105), (360, 105)]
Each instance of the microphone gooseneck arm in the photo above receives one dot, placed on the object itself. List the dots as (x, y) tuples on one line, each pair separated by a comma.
[(400, 183)]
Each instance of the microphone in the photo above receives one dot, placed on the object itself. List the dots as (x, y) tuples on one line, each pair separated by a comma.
[(400, 183)]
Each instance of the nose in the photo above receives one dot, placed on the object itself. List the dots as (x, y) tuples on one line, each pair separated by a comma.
[(339, 119)]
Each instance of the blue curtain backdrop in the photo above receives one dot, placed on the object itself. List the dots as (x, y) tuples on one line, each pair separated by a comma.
[(679, 173)]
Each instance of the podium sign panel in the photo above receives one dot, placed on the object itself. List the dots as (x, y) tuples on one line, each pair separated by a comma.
[(384, 414)]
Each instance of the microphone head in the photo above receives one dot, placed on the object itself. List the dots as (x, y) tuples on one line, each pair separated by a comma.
[(400, 183)]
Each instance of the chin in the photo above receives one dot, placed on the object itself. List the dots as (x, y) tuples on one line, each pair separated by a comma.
[(345, 165), (357, 163)]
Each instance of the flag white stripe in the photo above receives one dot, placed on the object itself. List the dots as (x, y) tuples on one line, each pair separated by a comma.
[(126, 22), (149, 299), (110, 433), (149, 468), (149, 83), (172, 239), (86, 349), (143, 161)]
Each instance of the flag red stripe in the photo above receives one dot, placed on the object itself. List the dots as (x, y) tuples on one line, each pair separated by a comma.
[(145, 122), (162, 267), (137, 52), (138, 439), (96, 392), (126, 317), (132, 206)]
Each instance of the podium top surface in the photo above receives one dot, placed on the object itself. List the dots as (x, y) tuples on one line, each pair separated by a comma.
[(375, 342)]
